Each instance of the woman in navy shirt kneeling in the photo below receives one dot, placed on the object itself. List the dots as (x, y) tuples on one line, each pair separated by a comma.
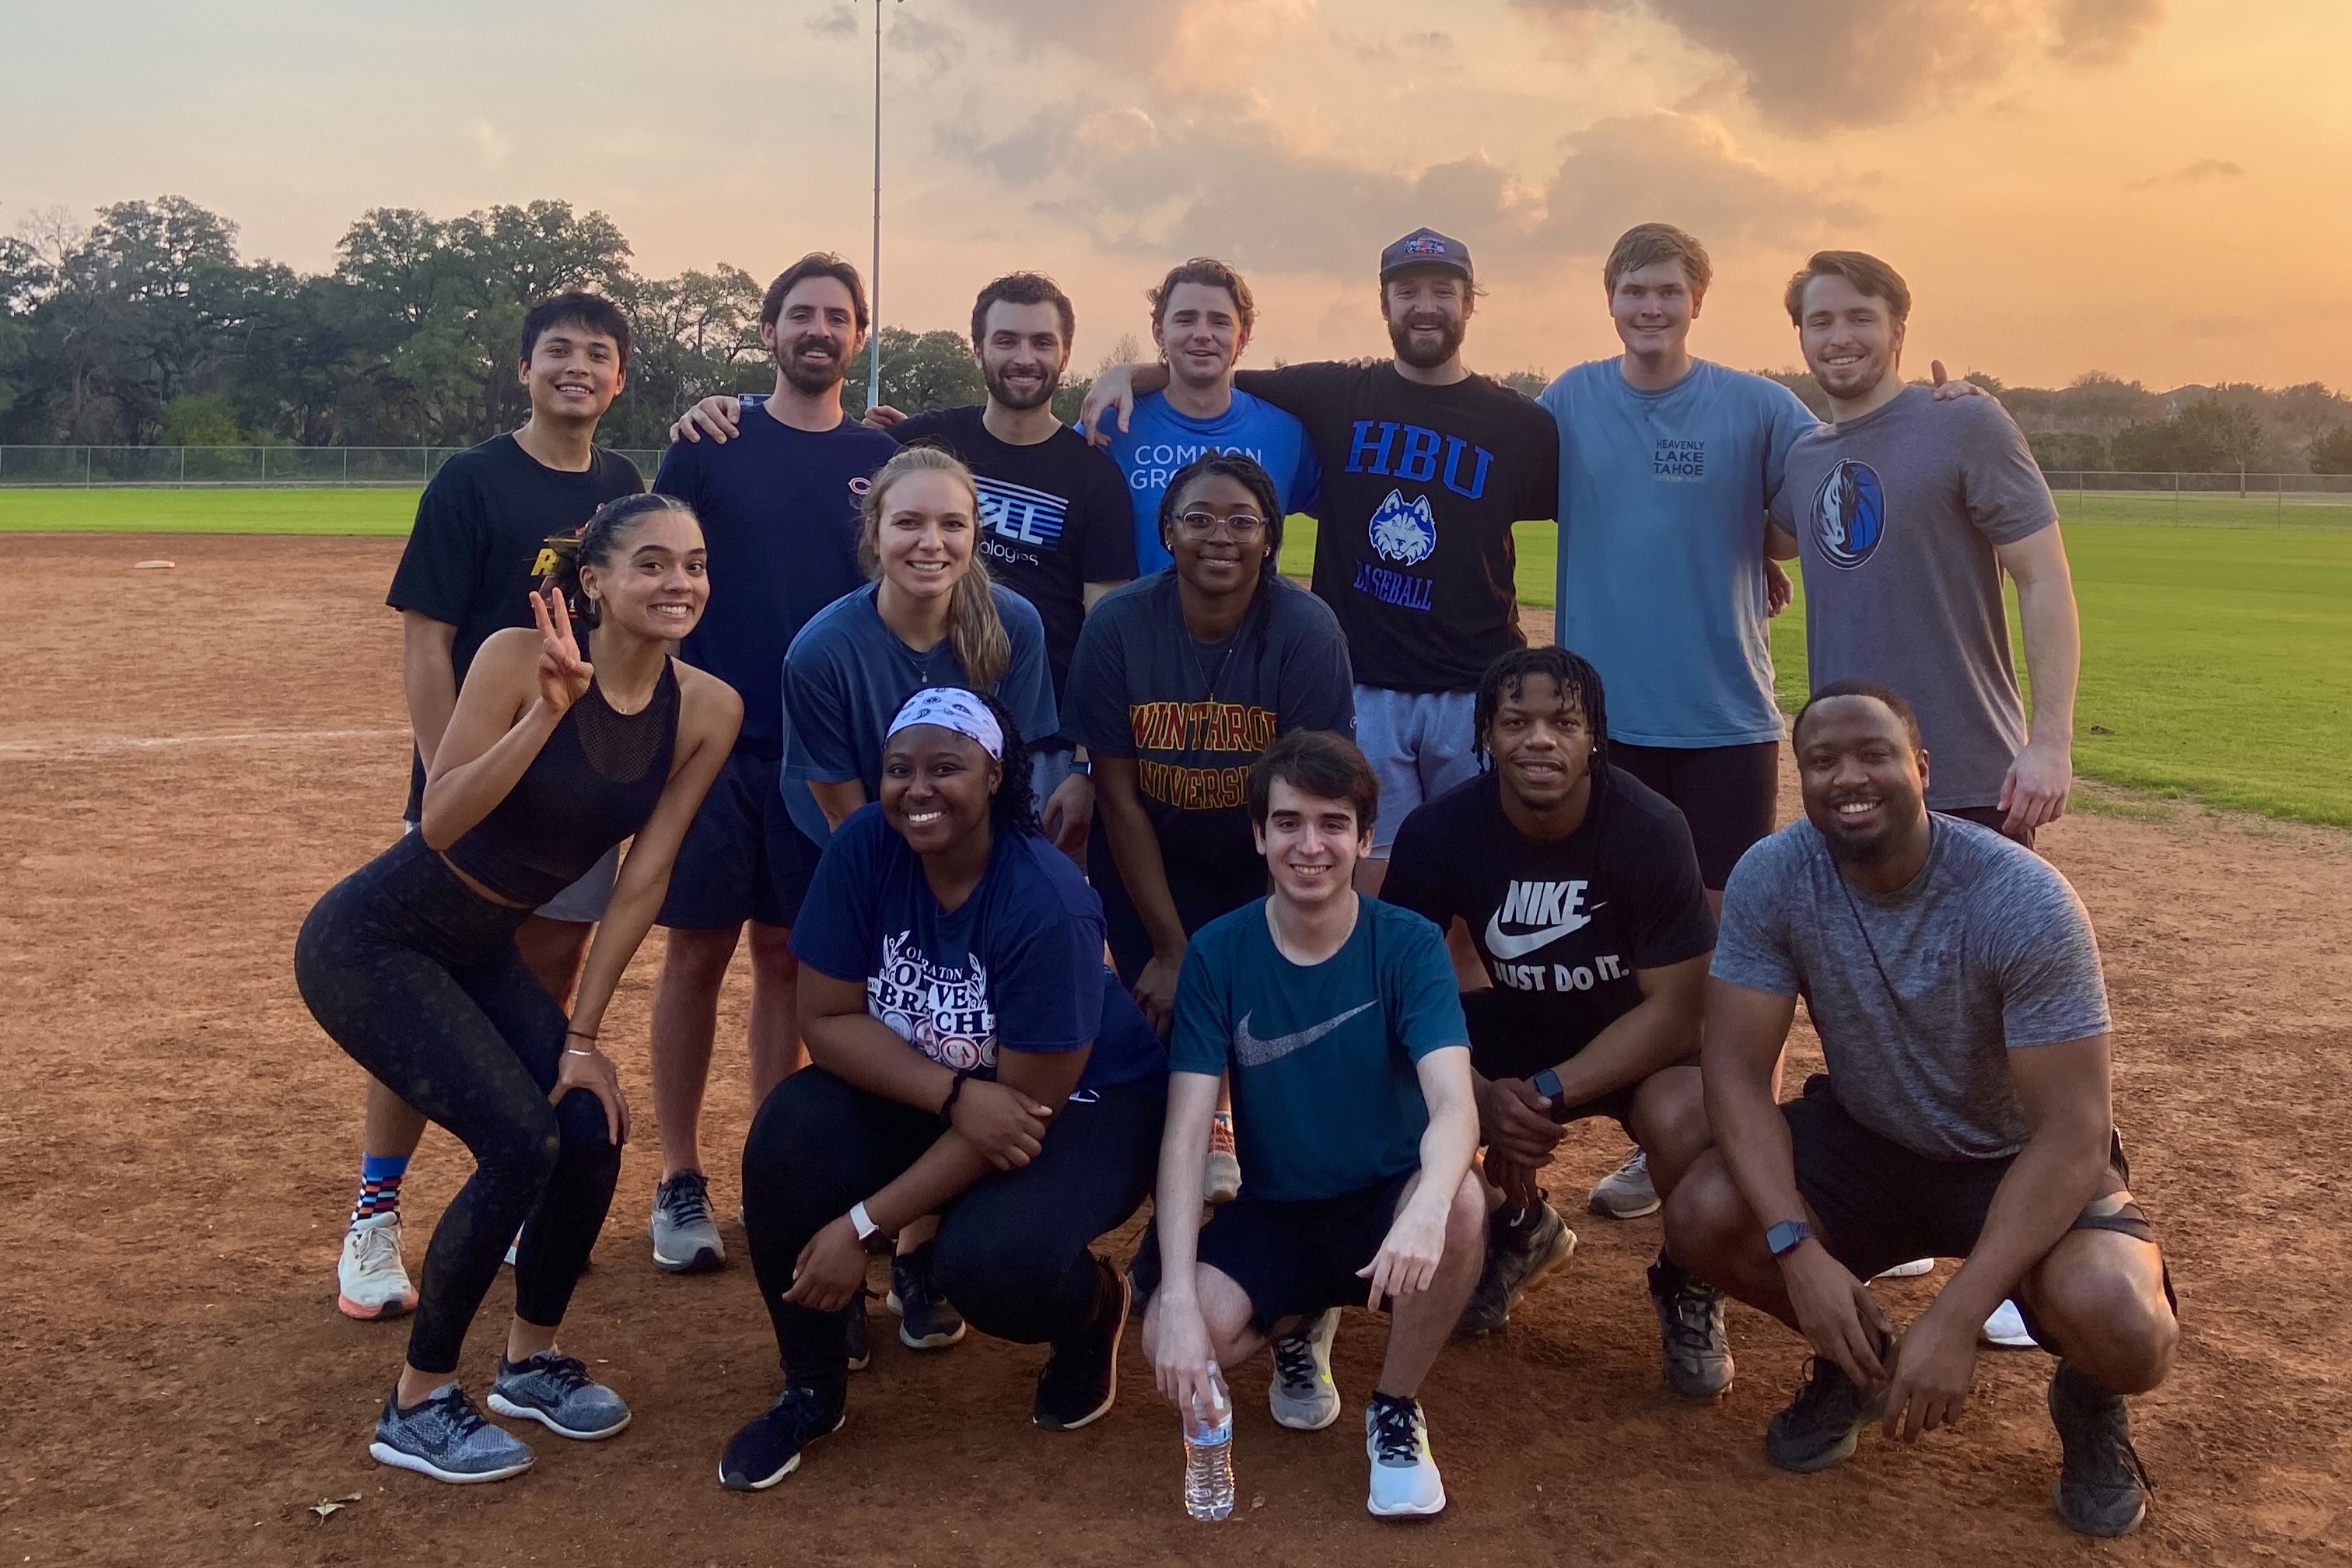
[(971, 1058)]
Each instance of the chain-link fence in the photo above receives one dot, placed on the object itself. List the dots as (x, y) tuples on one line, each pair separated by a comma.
[(294, 467), (2217, 500)]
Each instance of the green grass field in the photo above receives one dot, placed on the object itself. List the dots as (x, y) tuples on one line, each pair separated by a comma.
[(2215, 656)]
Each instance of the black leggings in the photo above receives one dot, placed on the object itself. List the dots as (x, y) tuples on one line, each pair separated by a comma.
[(1012, 1251), (418, 977), (1201, 889)]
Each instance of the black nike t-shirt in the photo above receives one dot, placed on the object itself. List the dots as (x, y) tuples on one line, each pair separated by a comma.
[(1421, 486), (479, 530), (1562, 927), (1053, 517)]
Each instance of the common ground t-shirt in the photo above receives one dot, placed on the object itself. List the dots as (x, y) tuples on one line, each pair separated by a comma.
[(1053, 517), (779, 511), (1562, 928), (1017, 966), (1896, 515), (1662, 497), (1160, 441), (1421, 486), (1919, 996), (480, 526), (1196, 715), (847, 674), (1326, 1098)]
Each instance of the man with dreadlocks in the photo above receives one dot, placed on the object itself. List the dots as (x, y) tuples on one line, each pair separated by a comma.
[(1581, 895)]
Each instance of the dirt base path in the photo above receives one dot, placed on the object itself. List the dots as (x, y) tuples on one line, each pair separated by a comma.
[(189, 757)]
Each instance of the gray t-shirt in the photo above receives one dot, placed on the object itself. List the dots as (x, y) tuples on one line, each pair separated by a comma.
[(1918, 996), (1897, 514)]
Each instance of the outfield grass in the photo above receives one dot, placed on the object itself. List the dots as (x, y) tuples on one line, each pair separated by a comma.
[(2215, 656)]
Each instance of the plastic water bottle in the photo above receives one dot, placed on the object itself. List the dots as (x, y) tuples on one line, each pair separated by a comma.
[(1209, 1452)]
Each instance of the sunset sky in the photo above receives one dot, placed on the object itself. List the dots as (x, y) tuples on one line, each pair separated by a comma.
[(2161, 189)]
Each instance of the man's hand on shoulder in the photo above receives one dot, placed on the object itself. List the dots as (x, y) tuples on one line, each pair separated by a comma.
[(719, 416), (1947, 390)]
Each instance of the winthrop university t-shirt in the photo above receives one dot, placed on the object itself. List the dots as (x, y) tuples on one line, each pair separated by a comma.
[(1160, 442), (1918, 996), (1421, 486), (1017, 965), (480, 526), (1896, 515), (1663, 497), (1196, 715), (1561, 927), (1326, 1098)]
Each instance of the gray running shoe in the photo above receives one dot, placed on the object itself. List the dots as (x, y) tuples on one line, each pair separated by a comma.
[(686, 1238), (556, 1390), (1820, 1427), (2102, 1486), (1625, 1193), (447, 1438), (1697, 1347), (1519, 1258), (1302, 1396)]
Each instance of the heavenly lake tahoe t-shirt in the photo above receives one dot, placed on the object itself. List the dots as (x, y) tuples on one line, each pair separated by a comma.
[(1016, 966), (1562, 928), (1919, 995), (1327, 1101), (1160, 441), (1897, 516), (779, 511), (1663, 499), (1196, 715), (1421, 487), (480, 526)]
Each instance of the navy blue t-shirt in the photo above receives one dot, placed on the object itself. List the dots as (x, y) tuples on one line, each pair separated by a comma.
[(779, 511), (1017, 965)]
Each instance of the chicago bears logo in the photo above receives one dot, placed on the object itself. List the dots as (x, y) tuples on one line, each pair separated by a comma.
[(1849, 514), (1402, 532)]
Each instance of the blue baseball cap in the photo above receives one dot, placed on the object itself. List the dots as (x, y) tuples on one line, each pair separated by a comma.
[(1426, 248)]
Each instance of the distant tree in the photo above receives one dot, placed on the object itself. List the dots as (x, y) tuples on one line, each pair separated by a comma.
[(920, 372), (1528, 382), (199, 419), (1809, 391), (1127, 349), (2208, 436), (2332, 453), (1069, 398), (2066, 451)]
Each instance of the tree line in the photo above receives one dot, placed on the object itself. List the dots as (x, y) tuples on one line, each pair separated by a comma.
[(146, 327)]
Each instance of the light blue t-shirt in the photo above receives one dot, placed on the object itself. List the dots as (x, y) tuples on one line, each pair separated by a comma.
[(1158, 441), (847, 674), (1662, 497)]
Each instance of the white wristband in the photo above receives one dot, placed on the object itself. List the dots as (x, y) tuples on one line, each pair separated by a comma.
[(862, 1221)]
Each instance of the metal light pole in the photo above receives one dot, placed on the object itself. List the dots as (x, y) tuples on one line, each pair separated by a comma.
[(874, 277)]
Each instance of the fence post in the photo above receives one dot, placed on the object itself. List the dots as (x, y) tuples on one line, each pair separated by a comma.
[(347, 468), (84, 468), (265, 466)]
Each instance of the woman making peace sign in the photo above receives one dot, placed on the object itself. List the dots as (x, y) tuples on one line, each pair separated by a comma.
[(410, 963)]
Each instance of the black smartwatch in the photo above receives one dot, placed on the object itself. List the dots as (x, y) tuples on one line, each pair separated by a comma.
[(1787, 1236)]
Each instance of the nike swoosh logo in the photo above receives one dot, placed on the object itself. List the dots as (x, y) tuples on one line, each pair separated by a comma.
[(1507, 947), (1253, 1052)]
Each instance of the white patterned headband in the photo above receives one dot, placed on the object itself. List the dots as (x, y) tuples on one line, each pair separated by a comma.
[(952, 708)]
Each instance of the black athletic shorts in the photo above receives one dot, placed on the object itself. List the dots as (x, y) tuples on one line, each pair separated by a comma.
[(1881, 1203), (1497, 1051), (1291, 1259), (1990, 817), (742, 857), (1728, 794)]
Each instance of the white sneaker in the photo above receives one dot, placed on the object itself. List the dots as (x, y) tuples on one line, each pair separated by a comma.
[(2006, 1327), (1625, 1193), (1405, 1483), (1302, 1396), (371, 1282), (1911, 1270)]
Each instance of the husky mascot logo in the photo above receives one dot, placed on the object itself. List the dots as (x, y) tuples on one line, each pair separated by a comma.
[(1849, 514), (1404, 534)]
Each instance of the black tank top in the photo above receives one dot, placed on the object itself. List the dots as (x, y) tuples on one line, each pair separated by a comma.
[(593, 785)]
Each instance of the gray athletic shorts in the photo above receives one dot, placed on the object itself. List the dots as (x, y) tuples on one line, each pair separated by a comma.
[(1419, 742), (583, 903)]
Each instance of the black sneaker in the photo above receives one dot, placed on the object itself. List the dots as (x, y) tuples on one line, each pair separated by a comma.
[(1697, 1348), (1821, 1425), (2102, 1486), (861, 1349), (927, 1320), (1519, 1258), (767, 1447), (1081, 1377)]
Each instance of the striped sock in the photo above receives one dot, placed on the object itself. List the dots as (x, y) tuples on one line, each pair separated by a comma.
[(379, 1185)]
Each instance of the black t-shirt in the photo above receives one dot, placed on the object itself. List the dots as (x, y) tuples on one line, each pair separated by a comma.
[(1053, 517), (1195, 715), (1421, 486), (1560, 927), (479, 530)]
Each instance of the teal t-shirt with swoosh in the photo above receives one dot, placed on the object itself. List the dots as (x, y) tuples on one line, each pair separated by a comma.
[(1326, 1098)]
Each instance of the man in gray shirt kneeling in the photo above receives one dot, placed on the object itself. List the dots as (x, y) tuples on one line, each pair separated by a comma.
[(1955, 983)]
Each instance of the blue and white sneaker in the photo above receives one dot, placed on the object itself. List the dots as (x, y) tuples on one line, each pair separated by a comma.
[(1405, 1483), (447, 1438), (556, 1390)]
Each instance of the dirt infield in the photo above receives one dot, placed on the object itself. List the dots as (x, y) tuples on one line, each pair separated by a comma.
[(189, 757)]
